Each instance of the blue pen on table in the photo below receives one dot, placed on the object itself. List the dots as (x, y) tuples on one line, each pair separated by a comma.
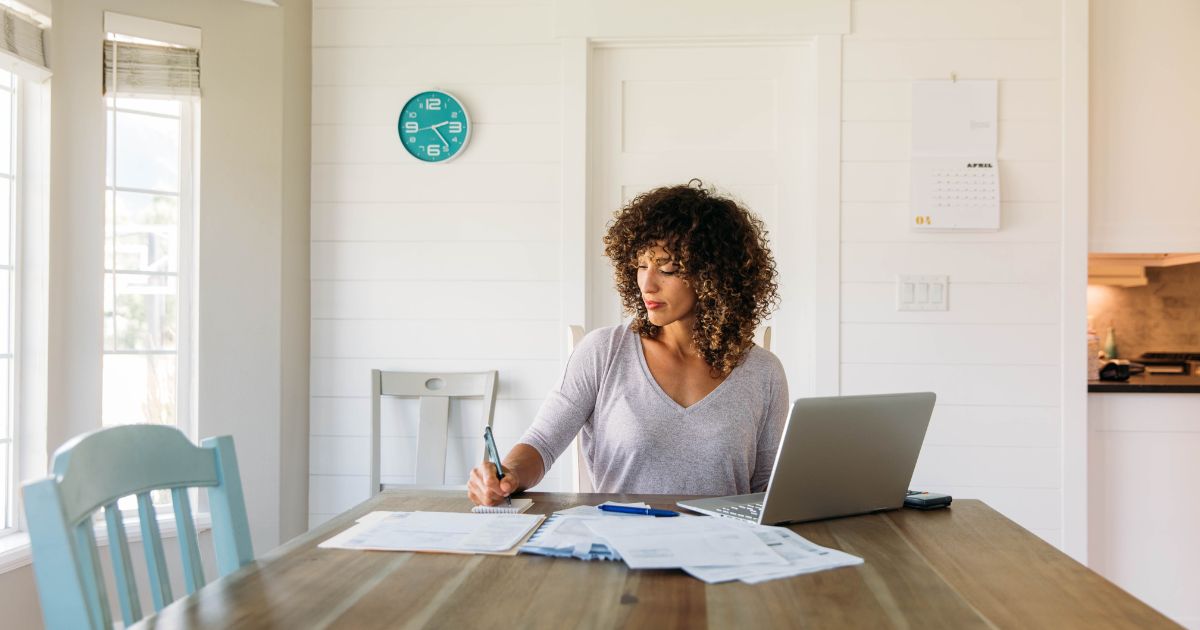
[(493, 455), (637, 510)]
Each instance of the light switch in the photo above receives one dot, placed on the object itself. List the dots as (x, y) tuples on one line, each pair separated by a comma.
[(922, 293)]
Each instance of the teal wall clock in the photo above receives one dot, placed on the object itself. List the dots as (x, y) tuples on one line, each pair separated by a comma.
[(434, 126)]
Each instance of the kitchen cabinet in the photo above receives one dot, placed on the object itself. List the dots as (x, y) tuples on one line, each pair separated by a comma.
[(1144, 192), (1144, 466)]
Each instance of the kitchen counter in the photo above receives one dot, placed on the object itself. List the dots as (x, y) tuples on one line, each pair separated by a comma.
[(1150, 383)]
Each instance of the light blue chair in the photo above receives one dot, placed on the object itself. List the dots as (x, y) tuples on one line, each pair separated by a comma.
[(96, 469)]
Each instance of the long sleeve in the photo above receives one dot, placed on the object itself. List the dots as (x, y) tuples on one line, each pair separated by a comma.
[(572, 403)]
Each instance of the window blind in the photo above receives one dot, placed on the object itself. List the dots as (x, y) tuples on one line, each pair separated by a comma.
[(149, 69), (22, 37)]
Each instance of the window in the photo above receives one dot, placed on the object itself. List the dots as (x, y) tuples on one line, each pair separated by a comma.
[(152, 93), (147, 261), (24, 143), (8, 297)]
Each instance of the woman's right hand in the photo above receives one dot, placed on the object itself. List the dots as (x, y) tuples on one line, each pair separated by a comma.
[(484, 488)]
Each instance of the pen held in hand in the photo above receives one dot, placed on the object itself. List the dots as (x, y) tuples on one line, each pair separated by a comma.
[(493, 455)]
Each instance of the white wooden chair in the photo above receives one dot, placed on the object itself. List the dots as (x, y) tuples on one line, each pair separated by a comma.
[(762, 337), (434, 391)]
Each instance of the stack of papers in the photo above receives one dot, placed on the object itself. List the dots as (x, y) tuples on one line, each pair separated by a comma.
[(711, 549), (801, 555), (449, 532), (566, 534), (684, 541)]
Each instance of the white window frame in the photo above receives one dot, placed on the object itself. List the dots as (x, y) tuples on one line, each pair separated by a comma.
[(30, 258), (185, 270), (12, 504)]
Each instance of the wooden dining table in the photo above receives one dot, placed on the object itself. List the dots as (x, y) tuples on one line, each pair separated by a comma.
[(966, 566)]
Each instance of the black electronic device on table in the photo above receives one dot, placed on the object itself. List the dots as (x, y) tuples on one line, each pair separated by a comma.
[(1119, 370), (926, 500)]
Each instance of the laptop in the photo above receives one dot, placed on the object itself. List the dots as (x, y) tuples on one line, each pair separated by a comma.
[(839, 456)]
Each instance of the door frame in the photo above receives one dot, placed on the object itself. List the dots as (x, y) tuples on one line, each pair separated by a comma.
[(821, 160), (823, 163), (1073, 279)]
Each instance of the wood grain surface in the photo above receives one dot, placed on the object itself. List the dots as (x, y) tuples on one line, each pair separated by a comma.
[(962, 567)]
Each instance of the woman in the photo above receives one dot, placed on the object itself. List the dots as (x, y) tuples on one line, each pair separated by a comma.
[(680, 400)]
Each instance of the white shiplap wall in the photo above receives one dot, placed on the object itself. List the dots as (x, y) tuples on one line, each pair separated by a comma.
[(450, 267), (993, 356), (457, 268)]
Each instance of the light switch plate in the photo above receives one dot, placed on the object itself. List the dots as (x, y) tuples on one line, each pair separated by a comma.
[(922, 293)]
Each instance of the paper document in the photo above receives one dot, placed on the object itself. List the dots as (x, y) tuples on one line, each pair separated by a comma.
[(684, 541), (437, 531), (566, 534), (568, 537), (595, 511), (802, 556)]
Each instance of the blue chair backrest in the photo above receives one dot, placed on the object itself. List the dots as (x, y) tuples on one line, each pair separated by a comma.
[(96, 469)]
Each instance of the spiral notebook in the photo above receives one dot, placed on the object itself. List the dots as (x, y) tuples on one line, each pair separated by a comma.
[(518, 506)]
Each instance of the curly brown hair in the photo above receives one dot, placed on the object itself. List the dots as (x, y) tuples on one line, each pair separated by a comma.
[(721, 251)]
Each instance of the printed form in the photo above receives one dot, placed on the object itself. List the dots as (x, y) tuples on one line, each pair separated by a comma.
[(683, 541)]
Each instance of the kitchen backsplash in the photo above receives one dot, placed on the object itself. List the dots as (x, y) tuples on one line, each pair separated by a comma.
[(1162, 316)]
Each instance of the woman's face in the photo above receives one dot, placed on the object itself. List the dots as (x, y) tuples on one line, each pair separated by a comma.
[(667, 297)]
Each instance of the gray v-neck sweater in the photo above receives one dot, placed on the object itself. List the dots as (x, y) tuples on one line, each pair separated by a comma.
[(637, 439)]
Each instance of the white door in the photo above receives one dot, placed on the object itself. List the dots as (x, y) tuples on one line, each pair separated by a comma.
[(736, 117)]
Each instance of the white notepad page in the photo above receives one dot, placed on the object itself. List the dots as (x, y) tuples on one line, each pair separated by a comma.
[(518, 506)]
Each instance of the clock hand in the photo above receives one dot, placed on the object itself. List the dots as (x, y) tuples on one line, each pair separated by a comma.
[(439, 134)]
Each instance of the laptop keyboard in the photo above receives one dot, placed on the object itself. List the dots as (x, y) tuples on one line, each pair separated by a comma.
[(751, 511), (745, 511)]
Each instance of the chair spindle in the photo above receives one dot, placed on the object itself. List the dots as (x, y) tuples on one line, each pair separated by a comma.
[(156, 561), (118, 546), (89, 565), (189, 549)]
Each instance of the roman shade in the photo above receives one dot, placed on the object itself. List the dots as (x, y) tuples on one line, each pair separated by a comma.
[(150, 69), (22, 38)]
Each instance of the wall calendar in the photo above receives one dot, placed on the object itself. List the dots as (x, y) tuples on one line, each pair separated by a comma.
[(954, 174)]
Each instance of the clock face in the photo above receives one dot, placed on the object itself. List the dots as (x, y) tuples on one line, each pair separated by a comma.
[(433, 126)]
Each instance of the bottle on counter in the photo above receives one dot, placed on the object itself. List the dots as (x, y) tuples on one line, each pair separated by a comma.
[(1110, 344)]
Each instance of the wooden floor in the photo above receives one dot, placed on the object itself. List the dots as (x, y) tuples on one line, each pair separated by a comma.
[(963, 567)]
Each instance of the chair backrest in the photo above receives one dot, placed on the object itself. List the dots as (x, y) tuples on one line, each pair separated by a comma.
[(96, 469), (574, 336), (434, 391), (762, 337)]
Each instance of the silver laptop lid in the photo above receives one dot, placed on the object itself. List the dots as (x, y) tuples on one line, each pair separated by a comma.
[(846, 455)]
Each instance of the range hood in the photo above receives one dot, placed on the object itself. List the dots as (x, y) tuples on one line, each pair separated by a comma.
[(1129, 270)]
